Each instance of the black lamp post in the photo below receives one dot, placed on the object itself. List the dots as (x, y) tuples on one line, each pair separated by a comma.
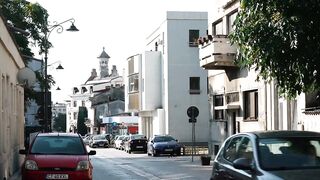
[(49, 29)]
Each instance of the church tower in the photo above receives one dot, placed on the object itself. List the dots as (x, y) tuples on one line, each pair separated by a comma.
[(104, 61)]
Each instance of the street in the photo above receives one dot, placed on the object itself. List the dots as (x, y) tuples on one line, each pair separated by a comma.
[(110, 163)]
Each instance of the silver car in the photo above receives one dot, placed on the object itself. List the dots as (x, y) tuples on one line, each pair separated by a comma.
[(269, 155)]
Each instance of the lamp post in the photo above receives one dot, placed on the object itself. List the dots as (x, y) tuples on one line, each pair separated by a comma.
[(49, 29)]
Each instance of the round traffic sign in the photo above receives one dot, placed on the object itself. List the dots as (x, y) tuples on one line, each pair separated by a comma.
[(193, 112)]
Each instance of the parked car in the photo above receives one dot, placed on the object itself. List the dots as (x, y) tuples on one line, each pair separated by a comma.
[(87, 139), (136, 142), (56, 156), (269, 155), (99, 141), (163, 144), (118, 143)]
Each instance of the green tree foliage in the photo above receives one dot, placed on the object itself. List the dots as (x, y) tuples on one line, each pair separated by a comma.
[(60, 123), (281, 40), (82, 115), (32, 18)]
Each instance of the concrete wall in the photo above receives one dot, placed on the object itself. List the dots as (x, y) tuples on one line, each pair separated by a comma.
[(11, 105), (180, 61)]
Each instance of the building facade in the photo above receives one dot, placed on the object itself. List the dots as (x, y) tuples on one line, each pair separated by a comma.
[(166, 79), (99, 94), (11, 105), (239, 103)]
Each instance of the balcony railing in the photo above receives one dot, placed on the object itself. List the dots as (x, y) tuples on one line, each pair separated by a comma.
[(216, 52)]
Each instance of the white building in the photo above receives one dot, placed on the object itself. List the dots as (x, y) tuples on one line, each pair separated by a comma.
[(166, 79), (238, 102), (82, 94), (11, 104)]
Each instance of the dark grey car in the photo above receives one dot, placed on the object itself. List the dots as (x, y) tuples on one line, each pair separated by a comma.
[(270, 155)]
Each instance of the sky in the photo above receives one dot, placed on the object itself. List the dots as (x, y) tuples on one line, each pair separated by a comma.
[(120, 26)]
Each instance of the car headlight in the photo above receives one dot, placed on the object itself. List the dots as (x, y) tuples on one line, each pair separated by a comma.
[(83, 165), (31, 165)]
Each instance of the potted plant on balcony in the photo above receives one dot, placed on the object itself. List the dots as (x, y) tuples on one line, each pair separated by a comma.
[(205, 159)]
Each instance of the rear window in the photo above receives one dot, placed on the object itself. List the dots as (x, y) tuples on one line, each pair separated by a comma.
[(58, 145)]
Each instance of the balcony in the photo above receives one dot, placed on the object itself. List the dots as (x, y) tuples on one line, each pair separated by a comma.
[(216, 52)]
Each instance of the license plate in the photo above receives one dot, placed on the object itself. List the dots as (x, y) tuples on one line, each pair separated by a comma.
[(101, 144), (168, 150), (139, 146), (57, 176)]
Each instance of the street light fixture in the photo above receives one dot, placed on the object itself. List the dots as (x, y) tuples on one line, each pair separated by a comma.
[(59, 28)]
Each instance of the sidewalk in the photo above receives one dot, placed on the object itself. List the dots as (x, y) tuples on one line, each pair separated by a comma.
[(16, 176)]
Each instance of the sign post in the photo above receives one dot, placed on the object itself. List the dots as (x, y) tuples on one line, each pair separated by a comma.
[(192, 113)]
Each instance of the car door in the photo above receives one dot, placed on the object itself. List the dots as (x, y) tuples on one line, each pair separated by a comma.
[(244, 150), (222, 168)]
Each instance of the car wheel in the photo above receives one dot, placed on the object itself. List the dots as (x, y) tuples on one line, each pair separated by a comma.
[(154, 153), (129, 151)]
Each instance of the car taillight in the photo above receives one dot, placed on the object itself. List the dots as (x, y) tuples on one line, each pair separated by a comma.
[(83, 165), (31, 165)]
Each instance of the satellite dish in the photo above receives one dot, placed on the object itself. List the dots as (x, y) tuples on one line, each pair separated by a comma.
[(26, 77)]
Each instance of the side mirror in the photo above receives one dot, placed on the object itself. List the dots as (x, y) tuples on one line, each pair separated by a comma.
[(242, 163), (151, 141), (92, 152), (22, 151)]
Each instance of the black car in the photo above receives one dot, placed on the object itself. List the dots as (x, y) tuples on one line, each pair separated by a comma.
[(163, 144), (99, 141), (270, 155), (136, 142)]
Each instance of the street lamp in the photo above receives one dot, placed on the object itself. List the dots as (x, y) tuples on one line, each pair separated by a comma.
[(49, 29)]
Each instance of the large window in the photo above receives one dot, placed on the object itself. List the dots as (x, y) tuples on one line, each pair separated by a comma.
[(193, 38), (218, 28), (194, 83), (251, 105), (134, 83), (313, 100), (218, 100), (231, 18)]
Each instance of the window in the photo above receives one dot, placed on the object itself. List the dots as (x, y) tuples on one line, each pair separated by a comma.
[(83, 103), (134, 83), (218, 114), (193, 38), (230, 152), (231, 18), (232, 97), (74, 103), (245, 149), (313, 100), (251, 105), (217, 28), (218, 100), (75, 116), (194, 83)]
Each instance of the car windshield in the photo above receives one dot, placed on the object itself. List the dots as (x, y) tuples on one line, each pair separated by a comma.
[(289, 153), (62, 145), (138, 136), (163, 139), (99, 138)]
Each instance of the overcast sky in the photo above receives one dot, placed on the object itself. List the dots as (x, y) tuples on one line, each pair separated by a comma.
[(121, 26)]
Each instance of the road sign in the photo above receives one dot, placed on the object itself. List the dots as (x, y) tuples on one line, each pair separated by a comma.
[(193, 112)]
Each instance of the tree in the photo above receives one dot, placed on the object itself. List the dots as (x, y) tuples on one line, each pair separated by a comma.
[(60, 123), (82, 115), (281, 40), (32, 18)]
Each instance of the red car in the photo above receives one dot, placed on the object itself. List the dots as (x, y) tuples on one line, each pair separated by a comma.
[(57, 156)]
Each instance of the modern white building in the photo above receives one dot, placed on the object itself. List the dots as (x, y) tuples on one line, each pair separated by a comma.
[(166, 79), (239, 103), (11, 104)]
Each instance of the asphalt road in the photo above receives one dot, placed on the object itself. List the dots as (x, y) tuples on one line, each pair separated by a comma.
[(114, 164)]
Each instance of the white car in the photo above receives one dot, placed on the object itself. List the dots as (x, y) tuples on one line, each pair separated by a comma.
[(118, 143)]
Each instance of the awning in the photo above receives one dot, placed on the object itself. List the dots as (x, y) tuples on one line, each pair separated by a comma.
[(228, 106)]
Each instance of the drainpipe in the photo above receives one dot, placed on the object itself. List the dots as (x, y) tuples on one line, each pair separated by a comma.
[(265, 105)]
